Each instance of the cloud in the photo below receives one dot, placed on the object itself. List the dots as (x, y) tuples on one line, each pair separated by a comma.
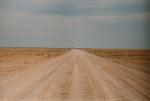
[(85, 8), (33, 2), (122, 18), (80, 7), (63, 23)]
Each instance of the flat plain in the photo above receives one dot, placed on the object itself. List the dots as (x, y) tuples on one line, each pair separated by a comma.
[(40, 74)]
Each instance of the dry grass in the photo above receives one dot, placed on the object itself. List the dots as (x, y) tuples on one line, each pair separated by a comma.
[(14, 60), (133, 58)]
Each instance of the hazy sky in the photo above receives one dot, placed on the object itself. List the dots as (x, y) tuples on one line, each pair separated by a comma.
[(78, 23)]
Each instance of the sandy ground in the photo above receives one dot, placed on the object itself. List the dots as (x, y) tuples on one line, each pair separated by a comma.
[(77, 76)]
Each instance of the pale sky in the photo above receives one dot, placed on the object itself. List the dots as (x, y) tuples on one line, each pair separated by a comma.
[(77, 23)]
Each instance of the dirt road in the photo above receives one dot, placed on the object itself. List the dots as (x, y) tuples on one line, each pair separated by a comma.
[(77, 76)]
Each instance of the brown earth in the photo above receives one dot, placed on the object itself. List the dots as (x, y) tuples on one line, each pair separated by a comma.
[(74, 76), (16, 60)]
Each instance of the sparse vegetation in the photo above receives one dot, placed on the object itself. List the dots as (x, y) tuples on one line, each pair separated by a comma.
[(134, 58), (19, 59)]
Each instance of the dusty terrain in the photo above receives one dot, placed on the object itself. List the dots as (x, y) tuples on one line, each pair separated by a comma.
[(75, 75), (16, 60), (132, 58)]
